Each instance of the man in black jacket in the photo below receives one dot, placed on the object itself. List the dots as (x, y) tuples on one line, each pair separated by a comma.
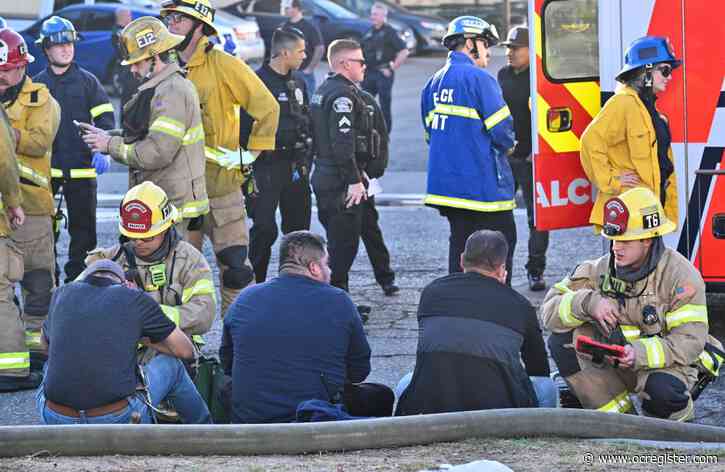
[(474, 333), (282, 175), (82, 98), (514, 81), (351, 141)]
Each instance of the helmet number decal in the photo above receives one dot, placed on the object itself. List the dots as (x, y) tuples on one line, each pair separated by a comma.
[(651, 220), (145, 38), (4, 51), (203, 9)]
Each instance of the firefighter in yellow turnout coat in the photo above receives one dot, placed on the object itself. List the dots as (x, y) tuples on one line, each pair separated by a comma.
[(34, 116), (239, 114), (644, 296), (14, 355), (169, 270), (163, 136)]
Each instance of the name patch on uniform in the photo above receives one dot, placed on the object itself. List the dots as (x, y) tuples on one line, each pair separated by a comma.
[(342, 105), (282, 97)]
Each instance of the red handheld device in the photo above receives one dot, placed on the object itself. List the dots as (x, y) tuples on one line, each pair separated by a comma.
[(587, 345)]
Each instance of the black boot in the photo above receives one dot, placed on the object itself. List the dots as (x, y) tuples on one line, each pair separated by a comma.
[(13, 384)]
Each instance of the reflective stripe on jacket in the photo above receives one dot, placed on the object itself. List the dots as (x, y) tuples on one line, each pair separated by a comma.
[(36, 115), (224, 84), (674, 289), (469, 129), (82, 98), (622, 138), (188, 298), (10, 195), (172, 153)]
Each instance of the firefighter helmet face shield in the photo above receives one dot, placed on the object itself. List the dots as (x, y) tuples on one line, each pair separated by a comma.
[(635, 214)]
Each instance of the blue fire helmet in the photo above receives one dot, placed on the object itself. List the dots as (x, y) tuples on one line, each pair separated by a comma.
[(470, 27), (648, 51), (56, 30)]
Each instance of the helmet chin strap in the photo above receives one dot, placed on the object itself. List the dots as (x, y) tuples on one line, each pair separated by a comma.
[(474, 50), (648, 75)]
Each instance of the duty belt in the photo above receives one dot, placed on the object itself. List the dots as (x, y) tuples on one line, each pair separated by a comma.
[(114, 407), (80, 173)]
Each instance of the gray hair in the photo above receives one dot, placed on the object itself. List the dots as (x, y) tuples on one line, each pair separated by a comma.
[(380, 6), (485, 249), (300, 248)]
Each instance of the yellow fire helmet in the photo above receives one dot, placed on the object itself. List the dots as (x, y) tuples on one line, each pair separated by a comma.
[(635, 214), (198, 9), (146, 212), (144, 38)]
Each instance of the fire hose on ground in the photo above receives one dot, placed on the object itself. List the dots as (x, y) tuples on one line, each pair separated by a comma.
[(254, 439)]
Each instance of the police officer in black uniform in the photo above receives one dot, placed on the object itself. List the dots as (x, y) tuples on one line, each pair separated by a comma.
[(81, 98), (384, 52), (282, 175), (351, 143), (514, 81)]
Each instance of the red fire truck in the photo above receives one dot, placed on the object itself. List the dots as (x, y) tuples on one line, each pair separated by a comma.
[(577, 49)]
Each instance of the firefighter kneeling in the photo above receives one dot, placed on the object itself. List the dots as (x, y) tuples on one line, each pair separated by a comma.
[(644, 297), (159, 262)]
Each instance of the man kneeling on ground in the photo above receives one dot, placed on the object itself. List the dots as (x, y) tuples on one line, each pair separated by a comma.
[(474, 332), (297, 338), (93, 329)]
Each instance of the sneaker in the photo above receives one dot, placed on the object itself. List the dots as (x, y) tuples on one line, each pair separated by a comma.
[(536, 282), (390, 289), (13, 384)]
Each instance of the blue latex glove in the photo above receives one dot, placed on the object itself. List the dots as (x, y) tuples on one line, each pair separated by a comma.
[(102, 162)]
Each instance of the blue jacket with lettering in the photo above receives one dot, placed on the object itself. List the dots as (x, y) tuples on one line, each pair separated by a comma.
[(469, 129)]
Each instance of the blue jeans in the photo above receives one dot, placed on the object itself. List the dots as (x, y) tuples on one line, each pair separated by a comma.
[(546, 391), (311, 84), (167, 380)]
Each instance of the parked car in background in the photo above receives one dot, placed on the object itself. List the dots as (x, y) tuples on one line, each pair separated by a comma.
[(238, 36), (95, 23), (334, 21), (428, 30)]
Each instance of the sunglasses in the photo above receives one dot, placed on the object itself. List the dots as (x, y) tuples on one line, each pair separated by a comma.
[(173, 18), (665, 70), (359, 61)]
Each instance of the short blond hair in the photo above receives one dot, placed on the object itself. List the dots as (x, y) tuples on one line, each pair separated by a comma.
[(339, 46)]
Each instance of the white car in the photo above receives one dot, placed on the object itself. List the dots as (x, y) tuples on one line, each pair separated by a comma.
[(238, 36)]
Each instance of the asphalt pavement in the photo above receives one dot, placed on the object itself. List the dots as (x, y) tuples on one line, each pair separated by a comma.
[(417, 238)]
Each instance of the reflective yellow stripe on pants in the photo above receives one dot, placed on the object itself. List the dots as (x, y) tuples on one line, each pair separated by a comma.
[(14, 360), (619, 404)]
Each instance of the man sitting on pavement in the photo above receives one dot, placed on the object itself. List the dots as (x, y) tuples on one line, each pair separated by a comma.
[(93, 328), (474, 333), (296, 338)]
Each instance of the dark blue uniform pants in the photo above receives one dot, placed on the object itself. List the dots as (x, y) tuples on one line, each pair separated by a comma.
[(81, 201), (378, 85), (276, 188), (538, 240)]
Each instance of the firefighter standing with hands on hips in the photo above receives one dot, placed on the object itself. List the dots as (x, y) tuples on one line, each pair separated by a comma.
[(628, 143), (282, 175), (157, 261), (240, 120), (469, 130), (74, 168), (163, 137), (643, 296), (34, 116), (351, 140), (15, 373)]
